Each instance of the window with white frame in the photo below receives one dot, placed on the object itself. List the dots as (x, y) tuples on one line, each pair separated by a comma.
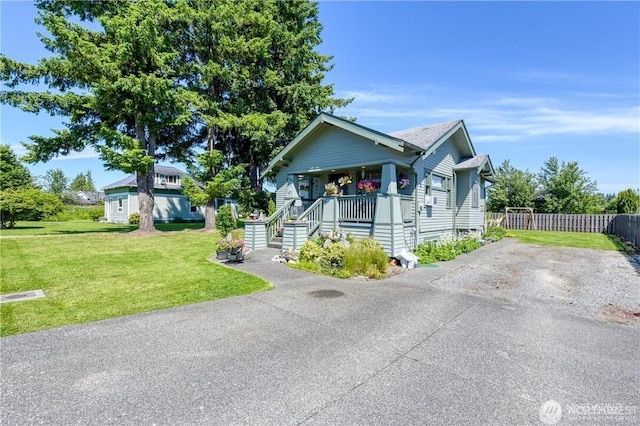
[(120, 204), (437, 182), (193, 209)]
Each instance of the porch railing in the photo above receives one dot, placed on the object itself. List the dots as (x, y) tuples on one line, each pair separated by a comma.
[(407, 208), (357, 208), (276, 220), (313, 215)]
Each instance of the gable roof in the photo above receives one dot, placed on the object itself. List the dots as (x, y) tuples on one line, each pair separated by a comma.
[(426, 136), (481, 163), (328, 119), (423, 140), (131, 181)]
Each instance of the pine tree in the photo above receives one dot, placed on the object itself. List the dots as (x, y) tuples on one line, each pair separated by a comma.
[(13, 174), (120, 86)]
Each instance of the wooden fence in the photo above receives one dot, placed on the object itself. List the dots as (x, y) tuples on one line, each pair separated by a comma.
[(627, 226), (599, 223)]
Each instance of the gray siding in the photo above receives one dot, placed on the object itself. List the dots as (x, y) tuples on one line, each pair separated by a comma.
[(111, 206), (437, 219), (463, 199), (170, 206), (334, 148), (469, 217), (167, 207), (358, 231)]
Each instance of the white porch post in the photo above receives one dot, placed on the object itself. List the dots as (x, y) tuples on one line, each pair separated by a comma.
[(388, 226)]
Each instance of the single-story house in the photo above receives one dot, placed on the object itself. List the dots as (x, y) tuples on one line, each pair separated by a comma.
[(121, 198), (400, 188)]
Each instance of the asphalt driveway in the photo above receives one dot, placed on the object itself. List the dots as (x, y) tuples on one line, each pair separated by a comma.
[(430, 346)]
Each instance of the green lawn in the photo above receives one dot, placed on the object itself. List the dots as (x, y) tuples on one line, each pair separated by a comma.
[(88, 277), (84, 226), (571, 239)]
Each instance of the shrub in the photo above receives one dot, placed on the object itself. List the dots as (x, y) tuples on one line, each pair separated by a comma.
[(27, 204), (311, 251), (495, 232), (134, 219), (271, 207), (425, 253), (333, 256), (366, 257), (432, 251), (74, 212), (225, 222)]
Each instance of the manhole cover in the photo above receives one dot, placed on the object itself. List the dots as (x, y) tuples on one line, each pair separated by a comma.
[(325, 294), (25, 295)]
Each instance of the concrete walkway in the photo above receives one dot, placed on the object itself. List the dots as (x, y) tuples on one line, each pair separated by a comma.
[(397, 351)]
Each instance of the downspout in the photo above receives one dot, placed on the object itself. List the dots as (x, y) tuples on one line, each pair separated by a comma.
[(416, 209), (454, 199)]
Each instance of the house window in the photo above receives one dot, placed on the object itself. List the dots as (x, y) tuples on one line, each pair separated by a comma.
[(172, 179), (193, 209), (120, 204), (448, 186), (437, 182), (427, 184), (475, 194)]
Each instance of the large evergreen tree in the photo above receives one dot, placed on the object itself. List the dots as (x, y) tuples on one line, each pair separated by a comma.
[(512, 188), (82, 182), (117, 81), (626, 202), (565, 188), (13, 174), (154, 80), (259, 76)]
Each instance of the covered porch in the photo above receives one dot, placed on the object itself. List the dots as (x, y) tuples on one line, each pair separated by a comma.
[(376, 201)]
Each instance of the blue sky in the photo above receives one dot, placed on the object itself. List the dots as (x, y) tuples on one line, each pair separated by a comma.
[(531, 79)]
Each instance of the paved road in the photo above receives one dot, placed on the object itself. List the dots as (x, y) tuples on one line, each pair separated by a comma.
[(399, 351)]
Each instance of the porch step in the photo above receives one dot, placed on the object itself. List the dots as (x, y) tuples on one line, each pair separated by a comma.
[(276, 243)]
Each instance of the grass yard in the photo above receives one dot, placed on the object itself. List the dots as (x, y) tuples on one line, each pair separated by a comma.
[(88, 277), (85, 226), (571, 239)]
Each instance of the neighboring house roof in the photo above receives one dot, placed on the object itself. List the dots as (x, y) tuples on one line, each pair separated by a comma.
[(423, 139), (89, 197), (131, 181), (481, 163)]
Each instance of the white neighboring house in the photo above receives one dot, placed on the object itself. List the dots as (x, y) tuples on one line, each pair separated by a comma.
[(121, 198), (89, 197)]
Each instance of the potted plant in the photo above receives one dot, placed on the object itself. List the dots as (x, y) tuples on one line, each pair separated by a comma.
[(331, 189), (234, 250), (222, 248)]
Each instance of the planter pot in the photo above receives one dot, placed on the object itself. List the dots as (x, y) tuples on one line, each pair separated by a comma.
[(221, 254), (235, 256)]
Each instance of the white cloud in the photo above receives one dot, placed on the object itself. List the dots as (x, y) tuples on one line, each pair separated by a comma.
[(88, 152), (497, 117), (85, 153)]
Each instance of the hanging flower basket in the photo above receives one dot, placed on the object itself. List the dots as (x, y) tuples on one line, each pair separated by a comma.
[(403, 182), (367, 186)]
